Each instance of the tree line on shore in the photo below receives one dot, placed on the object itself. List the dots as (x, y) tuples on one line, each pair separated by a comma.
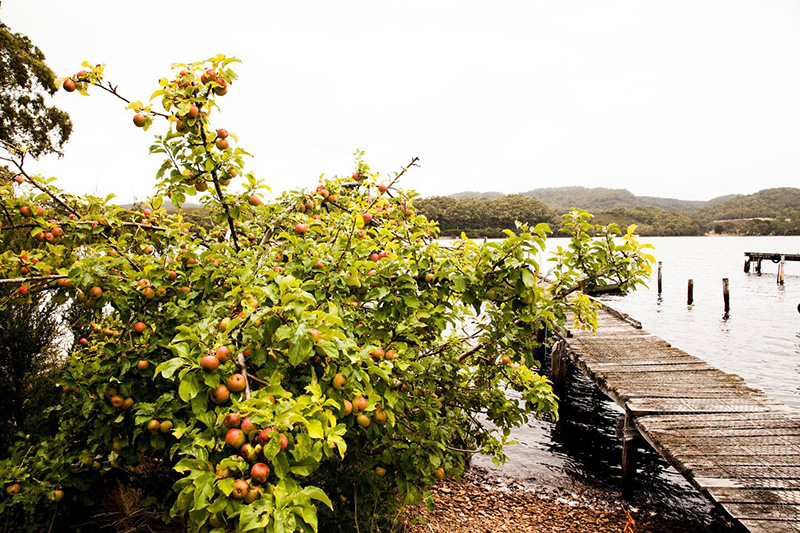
[(767, 212)]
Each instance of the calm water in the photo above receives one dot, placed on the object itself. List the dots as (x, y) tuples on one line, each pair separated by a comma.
[(759, 340)]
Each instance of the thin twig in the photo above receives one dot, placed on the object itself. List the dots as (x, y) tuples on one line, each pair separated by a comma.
[(33, 278)]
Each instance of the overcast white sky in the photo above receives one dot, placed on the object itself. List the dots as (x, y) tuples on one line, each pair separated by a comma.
[(688, 99)]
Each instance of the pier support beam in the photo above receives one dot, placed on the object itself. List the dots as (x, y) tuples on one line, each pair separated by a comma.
[(558, 368), (747, 265), (630, 451), (541, 339), (758, 267), (781, 267)]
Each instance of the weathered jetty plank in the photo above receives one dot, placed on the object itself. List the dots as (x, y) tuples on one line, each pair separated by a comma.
[(736, 445)]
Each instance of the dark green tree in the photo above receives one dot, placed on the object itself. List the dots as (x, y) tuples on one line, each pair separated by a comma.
[(27, 123), (29, 332)]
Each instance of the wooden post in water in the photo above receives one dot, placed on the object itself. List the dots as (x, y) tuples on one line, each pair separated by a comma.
[(541, 349), (726, 295), (630, 437), (758, 267), (781, 266), (558, 367), (659, 278), (690, 292), (747, 265)]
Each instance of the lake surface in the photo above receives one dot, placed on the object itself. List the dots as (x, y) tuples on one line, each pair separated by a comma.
[(758, 340)]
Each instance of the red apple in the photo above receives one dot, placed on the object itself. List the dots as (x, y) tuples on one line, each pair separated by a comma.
[(223, 353), (23, 290), (69, 85), (143, 365), (233, 420), (266, 435), (254, 200), (248, 426), (241, 489), (235, 438), (359, 403), (339, 381), (139, 327), (154, 426), (259, 473), (222, 133), (139, 120), (220, 395), (248, 452), (301, 228), (236, 383), (366, 217), (209, 362), (222, 144)]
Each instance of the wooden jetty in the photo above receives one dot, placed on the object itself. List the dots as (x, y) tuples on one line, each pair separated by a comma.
[(758, 257), (736, 445)]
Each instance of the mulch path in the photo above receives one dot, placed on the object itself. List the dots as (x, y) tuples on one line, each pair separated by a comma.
[(481, 504)]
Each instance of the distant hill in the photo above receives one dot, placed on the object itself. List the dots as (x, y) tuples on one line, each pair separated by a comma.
[(779, 203), (599, 199), (767, 212)]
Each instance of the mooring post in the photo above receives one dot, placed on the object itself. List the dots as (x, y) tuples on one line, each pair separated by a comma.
[(558, 368), (541, 348), (781, 267), (690, 292), (630, 443), (758, 267), (747, 265), (659, 278), (726, 295)]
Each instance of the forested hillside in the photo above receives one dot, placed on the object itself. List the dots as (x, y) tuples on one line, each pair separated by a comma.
[(767, 212), (483, 217), (599, 199)]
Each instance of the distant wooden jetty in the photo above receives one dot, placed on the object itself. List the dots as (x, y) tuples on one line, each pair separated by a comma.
[(758, 257), (736, 445)]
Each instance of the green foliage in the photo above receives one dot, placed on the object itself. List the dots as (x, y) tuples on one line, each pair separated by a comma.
[(483, 217), (27, 123), (340, 307)]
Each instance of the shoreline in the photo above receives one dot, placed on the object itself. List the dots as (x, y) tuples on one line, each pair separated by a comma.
[(488, 502)]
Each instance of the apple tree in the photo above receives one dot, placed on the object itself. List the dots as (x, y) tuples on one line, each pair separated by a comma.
[(319, 357)]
